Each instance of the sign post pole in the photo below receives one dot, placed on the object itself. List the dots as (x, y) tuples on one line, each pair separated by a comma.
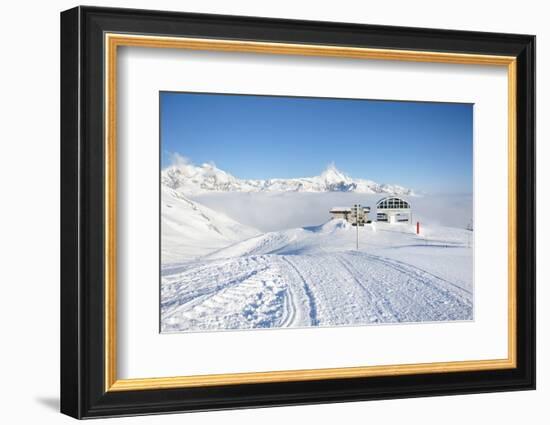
[(357, 219), (357, 227)]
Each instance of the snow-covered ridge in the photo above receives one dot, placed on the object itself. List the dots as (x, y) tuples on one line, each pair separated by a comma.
[(192, 179), (190, 230)]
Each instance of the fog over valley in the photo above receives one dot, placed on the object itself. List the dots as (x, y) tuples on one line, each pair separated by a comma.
[(278, 211)]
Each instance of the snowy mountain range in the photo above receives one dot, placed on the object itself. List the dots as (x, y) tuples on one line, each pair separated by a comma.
[(192, 179)]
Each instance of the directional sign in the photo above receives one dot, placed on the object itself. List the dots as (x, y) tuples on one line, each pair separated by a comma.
[(357, 216), (357, 219)]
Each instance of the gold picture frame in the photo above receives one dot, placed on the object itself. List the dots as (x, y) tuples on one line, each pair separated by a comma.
[(114, 41)]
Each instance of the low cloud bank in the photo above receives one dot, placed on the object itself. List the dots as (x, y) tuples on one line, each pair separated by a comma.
[(277, 211)]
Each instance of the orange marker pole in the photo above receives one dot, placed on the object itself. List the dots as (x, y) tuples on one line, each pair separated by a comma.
[(417, 227)]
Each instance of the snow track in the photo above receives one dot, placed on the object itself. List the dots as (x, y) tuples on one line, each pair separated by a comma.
[(305, 287), (325, 289)]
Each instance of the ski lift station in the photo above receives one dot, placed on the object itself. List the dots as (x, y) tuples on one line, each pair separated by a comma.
[(389, 210), (393, 210)]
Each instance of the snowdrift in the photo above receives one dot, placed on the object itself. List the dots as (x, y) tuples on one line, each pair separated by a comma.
[(190, 230)]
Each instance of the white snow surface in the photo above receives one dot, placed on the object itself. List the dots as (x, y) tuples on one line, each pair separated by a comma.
[(313, 276), (190, 230), (191, 179)]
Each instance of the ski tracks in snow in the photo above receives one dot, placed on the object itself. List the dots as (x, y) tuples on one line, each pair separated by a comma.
[(237, 293), (313, 321), (330, 289), (406, 293)]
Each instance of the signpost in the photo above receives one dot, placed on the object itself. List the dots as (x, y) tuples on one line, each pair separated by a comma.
[(357, 219)]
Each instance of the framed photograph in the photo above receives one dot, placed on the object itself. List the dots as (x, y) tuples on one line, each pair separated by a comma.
[(261, 212)]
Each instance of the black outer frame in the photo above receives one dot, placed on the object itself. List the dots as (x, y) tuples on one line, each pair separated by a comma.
[(82, 205)]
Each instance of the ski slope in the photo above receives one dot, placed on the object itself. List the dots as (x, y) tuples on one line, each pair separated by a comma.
[(190, 230), (314, 277)]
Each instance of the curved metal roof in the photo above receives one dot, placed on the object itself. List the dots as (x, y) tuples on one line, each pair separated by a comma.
[(392, 202)]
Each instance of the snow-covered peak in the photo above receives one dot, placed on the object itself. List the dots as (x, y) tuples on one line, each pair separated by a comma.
[(192, 179), (332, 175)]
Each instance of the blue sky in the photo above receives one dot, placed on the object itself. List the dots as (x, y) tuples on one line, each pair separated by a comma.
[(424, 146)]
